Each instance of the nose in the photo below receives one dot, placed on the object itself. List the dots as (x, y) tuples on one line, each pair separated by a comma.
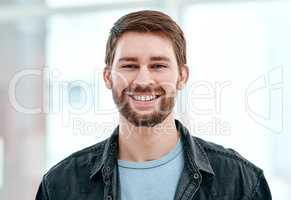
[(143, 77)]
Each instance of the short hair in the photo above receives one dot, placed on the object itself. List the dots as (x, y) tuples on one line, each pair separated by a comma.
[(147, 21)]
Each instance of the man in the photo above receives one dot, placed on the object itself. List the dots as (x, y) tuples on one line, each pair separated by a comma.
[(150, 155)]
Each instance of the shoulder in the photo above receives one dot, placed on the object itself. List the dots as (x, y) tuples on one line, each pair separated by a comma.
[(71, 176), (232, 171), (216, 151), (78, 163)]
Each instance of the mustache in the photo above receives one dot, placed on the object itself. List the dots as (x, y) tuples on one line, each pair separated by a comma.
[(144, 89)]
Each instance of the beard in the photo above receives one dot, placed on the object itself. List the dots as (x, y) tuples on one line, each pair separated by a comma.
[(158, 115)]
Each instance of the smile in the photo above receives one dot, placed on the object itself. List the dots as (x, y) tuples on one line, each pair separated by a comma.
[(144, 97)]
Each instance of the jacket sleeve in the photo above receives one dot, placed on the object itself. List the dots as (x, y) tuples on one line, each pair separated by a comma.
[(261, 190), (42, 191)]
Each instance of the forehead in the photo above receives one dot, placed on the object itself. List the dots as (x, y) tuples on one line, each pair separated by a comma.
[(144, 45)]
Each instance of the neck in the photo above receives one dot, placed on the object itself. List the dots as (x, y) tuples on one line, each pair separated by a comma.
[(141, 144)]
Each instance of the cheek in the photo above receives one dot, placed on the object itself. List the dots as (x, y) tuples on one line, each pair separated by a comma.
[(168, 82), (120, 82), (123, 79)]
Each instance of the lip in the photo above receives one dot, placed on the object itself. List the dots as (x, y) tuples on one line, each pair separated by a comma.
[(143, 94), (143, 105)]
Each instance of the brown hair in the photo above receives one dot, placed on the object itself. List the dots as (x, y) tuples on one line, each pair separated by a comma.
[(147, 21)]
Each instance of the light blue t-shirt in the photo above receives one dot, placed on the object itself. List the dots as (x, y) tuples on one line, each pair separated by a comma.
[(152, 180)]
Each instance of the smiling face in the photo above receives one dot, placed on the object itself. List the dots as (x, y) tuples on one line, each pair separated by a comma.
[(144, 77)]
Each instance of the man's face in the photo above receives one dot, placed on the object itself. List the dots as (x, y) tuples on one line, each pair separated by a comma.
[(144, 78)]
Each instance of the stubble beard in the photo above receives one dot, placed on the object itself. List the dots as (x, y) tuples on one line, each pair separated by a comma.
[(157, 116)]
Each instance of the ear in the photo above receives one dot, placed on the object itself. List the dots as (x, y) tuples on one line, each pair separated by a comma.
[(107, 76), (183, 77)]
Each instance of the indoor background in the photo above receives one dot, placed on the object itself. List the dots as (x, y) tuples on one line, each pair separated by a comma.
[(53, 101)]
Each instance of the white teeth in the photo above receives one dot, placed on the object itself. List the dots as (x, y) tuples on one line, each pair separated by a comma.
[(144, 98)]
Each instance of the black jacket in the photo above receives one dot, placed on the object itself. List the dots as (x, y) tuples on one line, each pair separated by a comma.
[(210, 172)]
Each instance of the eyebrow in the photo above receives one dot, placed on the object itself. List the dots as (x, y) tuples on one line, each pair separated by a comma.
[(134, 59), (160, 58)]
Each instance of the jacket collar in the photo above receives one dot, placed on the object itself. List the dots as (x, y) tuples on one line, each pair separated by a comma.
[(108, 157), (195, 154)]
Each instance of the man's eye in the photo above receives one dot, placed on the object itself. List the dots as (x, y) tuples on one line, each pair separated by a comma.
[(129, 66), (158, 66)]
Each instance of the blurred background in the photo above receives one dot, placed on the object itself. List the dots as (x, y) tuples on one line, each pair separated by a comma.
[(53, 101)]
